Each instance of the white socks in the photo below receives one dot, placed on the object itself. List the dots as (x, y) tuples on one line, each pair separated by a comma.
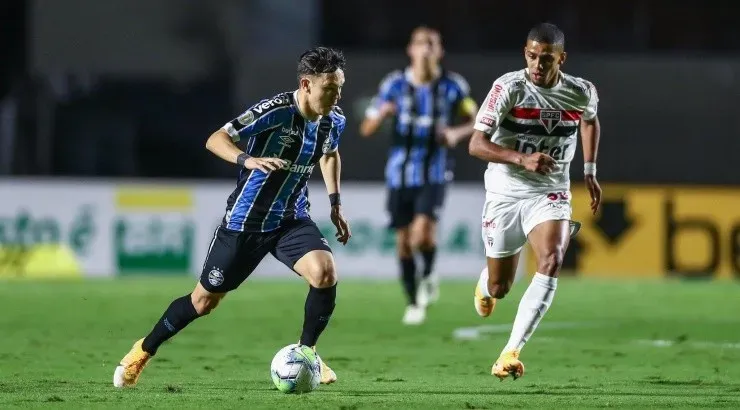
[(483, 282), (535, 302)]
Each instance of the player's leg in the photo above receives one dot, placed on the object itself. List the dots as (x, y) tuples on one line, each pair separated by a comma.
[(401, 210), (304, 249), (549, 229), (407, 264), (503, 238), (495, 282), (427, 206), (231, 258)]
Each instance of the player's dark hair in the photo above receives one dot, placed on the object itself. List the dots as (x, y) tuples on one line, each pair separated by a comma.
[(547, 33), (319, 60), (424, 27)]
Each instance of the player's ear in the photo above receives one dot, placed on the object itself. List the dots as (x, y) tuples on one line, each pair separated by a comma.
[(563, 56), (305, 84)]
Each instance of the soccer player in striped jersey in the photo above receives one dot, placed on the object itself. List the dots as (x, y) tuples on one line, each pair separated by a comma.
[(286, 136), (527, 129), (425, 101)]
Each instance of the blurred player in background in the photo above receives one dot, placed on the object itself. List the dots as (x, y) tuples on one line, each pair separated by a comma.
[(425, 100), (267, 212), (527, 130)]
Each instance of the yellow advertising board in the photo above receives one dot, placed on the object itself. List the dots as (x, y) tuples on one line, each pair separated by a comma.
[(654, 231)]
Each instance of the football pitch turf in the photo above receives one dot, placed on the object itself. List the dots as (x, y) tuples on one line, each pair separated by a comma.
[(602, 344)]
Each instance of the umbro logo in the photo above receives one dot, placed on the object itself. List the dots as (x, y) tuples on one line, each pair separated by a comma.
[(286, 141)]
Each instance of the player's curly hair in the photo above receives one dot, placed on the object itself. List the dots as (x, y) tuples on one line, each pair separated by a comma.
[(547, 33), (320, 60)]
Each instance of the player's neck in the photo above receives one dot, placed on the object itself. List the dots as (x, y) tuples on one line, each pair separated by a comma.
[(304, 108), (423, 73)]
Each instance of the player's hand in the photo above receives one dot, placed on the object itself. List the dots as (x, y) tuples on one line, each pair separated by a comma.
[(539, 163), (446, 137), (594, 192), (387, 109), (343, 232), (265, 165)]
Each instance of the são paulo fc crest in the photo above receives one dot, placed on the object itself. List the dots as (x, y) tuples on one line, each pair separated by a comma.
[(215, 277), (550, 119)]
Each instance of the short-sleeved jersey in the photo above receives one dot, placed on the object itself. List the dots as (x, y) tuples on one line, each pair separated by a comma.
[(275, 127), (524, 117), (415, 157)]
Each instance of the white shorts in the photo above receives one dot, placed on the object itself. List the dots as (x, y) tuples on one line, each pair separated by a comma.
[(507, 221)]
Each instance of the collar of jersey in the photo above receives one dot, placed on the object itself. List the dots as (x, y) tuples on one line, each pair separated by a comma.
[(410, 77), (298, 108), (553, 88)]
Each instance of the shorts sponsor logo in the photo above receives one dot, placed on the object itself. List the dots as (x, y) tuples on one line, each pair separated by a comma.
[(554, 196)]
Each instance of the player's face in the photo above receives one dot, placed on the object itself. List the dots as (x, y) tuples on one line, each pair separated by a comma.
[(325, 91), (425, 46), (544, 61)]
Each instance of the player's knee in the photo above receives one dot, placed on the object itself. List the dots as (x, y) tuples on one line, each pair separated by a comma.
[(322, 275), (422, 240), (205, 303), (551, 262), (403, 247), (422, 237)]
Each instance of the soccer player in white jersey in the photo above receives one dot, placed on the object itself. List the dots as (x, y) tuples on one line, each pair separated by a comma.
[(527, 130)]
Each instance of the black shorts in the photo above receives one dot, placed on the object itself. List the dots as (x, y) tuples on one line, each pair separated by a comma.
[(405, 203), (233, 255)]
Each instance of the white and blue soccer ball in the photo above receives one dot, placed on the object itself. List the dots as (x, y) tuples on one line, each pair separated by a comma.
[(296, 369)]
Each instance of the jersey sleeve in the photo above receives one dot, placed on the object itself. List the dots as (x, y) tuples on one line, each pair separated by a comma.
[(497, 104), (386, 93), (592, 108), (339, 123), (264, 115), (463, 104)]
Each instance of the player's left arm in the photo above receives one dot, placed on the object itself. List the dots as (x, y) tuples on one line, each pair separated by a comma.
[(331, 169), (466, 108), (590, 134)]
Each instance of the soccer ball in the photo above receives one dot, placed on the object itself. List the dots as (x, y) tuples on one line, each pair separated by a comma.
[(296, 369)]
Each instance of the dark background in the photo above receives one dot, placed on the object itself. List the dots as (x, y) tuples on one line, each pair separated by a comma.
[(133, 89)]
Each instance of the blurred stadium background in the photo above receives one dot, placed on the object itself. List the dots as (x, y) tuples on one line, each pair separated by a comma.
[(105, 107), (101, 97)]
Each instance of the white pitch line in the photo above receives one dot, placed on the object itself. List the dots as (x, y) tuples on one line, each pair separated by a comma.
[(701, 344), (476, 332)]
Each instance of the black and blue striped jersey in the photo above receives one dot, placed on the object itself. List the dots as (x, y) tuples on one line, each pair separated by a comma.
[(416, 157), (275, 127)]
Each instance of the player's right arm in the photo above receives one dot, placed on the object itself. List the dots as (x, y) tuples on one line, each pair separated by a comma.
[(492, 112), (382, 106), (250, 123)]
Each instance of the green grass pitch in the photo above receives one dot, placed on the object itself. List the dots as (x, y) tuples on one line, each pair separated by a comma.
[(602, 344)]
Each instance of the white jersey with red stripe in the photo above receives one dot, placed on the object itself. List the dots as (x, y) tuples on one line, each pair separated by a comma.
[(524, 117)]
